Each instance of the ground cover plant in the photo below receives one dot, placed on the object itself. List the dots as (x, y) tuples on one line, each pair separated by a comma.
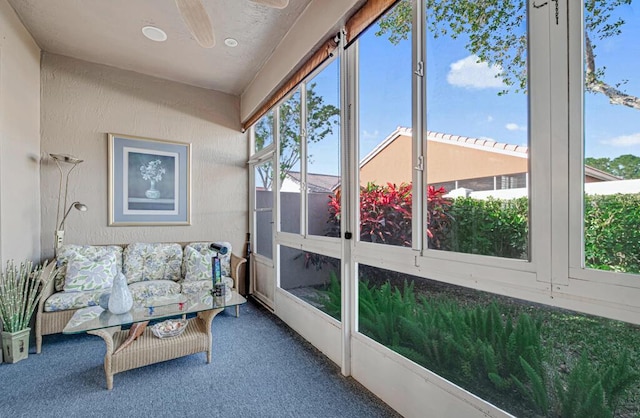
[(530, 360)]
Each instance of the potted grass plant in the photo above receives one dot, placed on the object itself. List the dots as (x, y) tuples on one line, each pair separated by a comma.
[(20, 290)]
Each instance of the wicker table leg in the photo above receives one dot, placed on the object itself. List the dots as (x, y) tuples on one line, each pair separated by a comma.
[(107, 335)]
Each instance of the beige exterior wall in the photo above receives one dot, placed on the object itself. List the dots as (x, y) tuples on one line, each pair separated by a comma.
[(453, 162), (19, 140), (391, 165), (445, 162), (83, 102)]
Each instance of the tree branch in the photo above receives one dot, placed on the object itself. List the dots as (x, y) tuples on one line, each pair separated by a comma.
[(594, 85)]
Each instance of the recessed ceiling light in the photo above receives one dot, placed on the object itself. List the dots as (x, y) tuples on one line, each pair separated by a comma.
[(230, 42), (155, 34)]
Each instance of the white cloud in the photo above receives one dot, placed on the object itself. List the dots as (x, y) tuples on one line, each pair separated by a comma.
[(623, 140), (470, 73), (369, 135), (515, 127), (489, 118)]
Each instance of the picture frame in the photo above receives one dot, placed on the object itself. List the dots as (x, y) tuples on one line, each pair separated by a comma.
[(149, 181)]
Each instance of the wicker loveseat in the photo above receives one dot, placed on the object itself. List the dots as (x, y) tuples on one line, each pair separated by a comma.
[(152, 269)]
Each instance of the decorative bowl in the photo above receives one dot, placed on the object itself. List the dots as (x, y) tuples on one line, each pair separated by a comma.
[(169, 328)]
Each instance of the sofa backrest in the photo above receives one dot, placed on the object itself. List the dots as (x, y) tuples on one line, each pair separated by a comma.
[(152, 261), (148, 261)]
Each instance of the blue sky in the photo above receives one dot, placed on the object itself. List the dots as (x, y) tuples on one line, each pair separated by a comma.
[(462, 95)]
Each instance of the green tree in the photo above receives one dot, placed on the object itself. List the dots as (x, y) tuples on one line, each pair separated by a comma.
[(496, 31), (626, 166), (321, 119)]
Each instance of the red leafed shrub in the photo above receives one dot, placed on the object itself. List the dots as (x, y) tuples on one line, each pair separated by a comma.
[(385, 214), (438, 218)]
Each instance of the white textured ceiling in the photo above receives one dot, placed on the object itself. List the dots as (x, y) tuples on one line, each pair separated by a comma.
[(109, 32)]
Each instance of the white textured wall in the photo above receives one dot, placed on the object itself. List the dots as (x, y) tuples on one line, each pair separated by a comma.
[(83, 102), (19, 140)]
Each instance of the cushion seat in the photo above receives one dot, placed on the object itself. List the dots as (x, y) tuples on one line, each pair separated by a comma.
[(200, 285), (62, 301), (141, 291)]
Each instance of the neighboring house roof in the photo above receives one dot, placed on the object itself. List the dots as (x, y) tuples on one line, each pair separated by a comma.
[(475, 143), (463, 141), (600, 188), (316, 183), (599, 174)]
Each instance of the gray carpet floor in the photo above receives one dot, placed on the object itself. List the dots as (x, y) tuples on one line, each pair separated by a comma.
[(260, 368)]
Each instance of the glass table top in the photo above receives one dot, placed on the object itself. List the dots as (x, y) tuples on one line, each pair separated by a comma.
[(94, 317)]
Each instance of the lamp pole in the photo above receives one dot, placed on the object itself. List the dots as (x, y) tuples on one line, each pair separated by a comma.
[(64, 185)]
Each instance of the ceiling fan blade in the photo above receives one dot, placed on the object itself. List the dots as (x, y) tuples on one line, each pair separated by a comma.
[(278, 4), (195, 16)]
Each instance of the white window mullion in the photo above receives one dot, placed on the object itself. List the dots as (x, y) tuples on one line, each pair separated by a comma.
[(352, 195), (559, 109), (347, 168), (303, 160), (277, 181), (576, 133), (418, 118), (539, 90)]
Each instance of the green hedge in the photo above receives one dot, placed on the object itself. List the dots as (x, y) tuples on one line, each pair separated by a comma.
[(496, 227), (612, 232), (488, 227), (500, 228)]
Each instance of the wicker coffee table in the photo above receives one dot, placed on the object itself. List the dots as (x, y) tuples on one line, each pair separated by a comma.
[(147, 348)]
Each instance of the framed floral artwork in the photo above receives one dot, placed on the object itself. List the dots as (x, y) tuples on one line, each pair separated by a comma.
[(149, 181)]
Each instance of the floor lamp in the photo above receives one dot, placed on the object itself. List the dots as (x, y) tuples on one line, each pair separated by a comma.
[(72, 162)]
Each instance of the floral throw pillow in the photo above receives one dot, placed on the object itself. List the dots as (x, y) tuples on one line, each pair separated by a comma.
[(86, 273), (69, 251), (197, 264), (204, 248)]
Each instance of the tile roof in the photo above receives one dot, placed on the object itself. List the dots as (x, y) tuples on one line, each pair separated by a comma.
[(317, 183)]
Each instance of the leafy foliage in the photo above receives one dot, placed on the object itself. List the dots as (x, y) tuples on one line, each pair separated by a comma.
[(491, 227), (495, 227), (322, 119), (593, 393), (385, 214), (495, 33), (439, 216), (488, 351), (473, 347), (20, 290), (626, 166), (612, 232)]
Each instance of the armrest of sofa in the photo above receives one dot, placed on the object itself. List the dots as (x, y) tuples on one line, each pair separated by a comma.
[(48, 279), (236, 264), (48, 288)]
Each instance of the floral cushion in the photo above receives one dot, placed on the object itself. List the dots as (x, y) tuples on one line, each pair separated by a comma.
[(141, 291), (156, 261), (200, 285), (197, 265), (92, 252), (87, 273), (203, 249), (62, 301)]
